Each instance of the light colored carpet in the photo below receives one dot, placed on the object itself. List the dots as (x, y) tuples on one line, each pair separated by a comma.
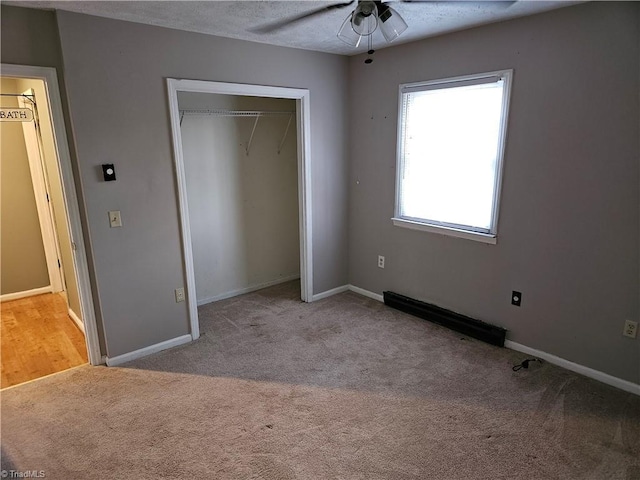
[(344, 388)]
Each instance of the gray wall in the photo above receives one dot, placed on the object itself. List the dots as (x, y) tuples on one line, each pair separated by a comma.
[(116, 75), (243, 209), (24, 266), (30, 37), (568, 228)]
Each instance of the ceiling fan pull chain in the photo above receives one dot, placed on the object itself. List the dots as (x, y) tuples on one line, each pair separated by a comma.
[(371, 50)]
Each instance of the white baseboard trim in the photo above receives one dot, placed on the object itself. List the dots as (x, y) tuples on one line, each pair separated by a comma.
[(348, 288), (249, 289), (366, 293), (143, 352), (76, 320), (330, 293), (575, 367), (27, 293)]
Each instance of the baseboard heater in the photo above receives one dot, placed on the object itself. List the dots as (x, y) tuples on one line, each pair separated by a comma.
[(455, 321)]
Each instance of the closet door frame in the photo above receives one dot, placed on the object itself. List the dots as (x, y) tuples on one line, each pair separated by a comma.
[(301, 96)]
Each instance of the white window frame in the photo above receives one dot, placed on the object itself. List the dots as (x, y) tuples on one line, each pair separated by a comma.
[(449, 229)]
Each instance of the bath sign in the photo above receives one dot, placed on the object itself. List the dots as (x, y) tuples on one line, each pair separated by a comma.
[(15, 114)]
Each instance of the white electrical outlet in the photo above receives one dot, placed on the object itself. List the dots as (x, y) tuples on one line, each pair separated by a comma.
[(179, 295), (380, 261), (630, 329)]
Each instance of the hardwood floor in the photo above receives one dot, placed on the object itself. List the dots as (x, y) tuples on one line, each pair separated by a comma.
[(38, 338)]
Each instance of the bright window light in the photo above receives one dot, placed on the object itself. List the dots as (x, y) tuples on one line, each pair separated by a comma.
[(451, 142)]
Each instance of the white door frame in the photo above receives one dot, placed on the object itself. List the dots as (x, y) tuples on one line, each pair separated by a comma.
[(40, 190), (304, 175), (81, 269)]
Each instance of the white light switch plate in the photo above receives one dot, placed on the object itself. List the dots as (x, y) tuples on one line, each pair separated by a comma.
[(114, 219)]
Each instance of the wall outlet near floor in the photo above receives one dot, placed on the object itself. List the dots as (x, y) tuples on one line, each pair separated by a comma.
[(630, 329), (179, 295), (380, 261)]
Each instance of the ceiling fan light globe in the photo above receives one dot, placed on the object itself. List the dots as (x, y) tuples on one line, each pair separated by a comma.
[(348, 34), (391, 24), (364, 24)]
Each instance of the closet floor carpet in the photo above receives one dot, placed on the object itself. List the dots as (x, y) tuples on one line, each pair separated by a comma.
[(38, 338)]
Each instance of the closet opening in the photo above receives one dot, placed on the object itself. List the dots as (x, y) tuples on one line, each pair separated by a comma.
[(243, 179)]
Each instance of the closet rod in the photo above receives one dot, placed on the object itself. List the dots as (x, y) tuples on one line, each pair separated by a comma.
[(234, 113)]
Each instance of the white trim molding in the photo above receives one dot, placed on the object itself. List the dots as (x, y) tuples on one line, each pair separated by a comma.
[(35, 156), (249, 289), (348, 288), (27, 293), (303, 118), (575, 367), (330, 293), (76, 319), (143, 352), (366, 293), (442, 230)]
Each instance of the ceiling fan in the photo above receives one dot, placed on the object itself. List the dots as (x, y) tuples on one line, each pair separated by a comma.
[(359, 24), (366, 18), (363, 21)]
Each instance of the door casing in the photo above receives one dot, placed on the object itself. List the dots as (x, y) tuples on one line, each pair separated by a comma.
[(304, 176), (81, 266)]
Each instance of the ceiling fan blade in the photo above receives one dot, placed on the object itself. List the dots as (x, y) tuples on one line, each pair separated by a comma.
[(502, 3), (270, 27)]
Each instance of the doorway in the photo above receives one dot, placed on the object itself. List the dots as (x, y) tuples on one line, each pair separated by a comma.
[(298, 110), (48, 321)]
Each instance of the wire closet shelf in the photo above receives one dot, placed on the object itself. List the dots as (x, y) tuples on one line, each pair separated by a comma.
[(243, 113)]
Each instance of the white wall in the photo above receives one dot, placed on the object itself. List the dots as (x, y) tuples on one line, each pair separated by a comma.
[(243, 210), (568, 232)]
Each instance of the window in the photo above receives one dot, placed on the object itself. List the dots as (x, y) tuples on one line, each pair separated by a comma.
[(451, 136)]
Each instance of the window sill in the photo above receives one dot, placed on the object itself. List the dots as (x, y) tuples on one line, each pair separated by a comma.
[(452, 232)]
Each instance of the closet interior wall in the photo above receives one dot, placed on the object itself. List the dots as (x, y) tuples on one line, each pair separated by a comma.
[(243, 208)]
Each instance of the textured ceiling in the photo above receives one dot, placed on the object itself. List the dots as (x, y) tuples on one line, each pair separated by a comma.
[(240, 19)]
